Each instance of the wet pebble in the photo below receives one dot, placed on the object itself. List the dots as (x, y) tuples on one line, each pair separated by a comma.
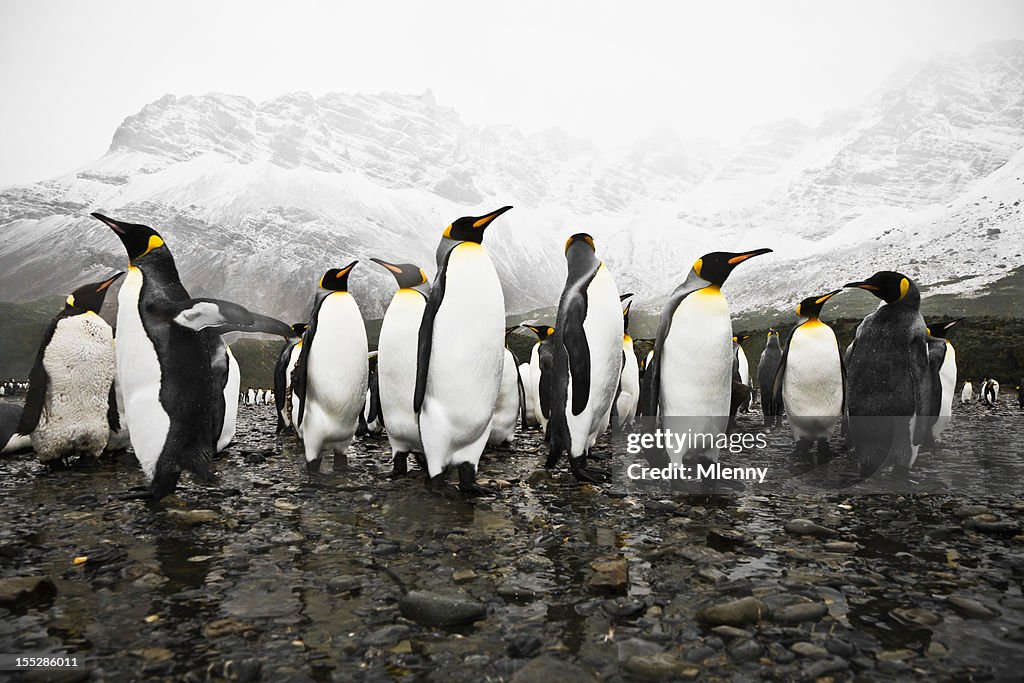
[(743, 650), (796, 614), (810, 650), (805, 527), (610, 575), (193, 517), (438, 609), (969, 607), (22, 591)]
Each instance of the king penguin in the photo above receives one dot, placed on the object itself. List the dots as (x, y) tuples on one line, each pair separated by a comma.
[(741, 369), (370, 419), (629, 384), (165, 346), (967, 393), (330, 377), (890, 396), (396, 363), (71, 384), (460, 353), (767, 366), (587, 358), (811, 378), (942, 362), (540, 358), (530, 407), (689, 377), (508, 408), (282, 376)]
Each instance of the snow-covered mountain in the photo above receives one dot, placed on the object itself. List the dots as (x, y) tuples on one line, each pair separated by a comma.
[(257, 199)]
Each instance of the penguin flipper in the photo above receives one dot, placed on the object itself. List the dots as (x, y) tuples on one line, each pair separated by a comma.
[(38, 383), (224, 316), (574, 339), (928, 387), (281, 376), (425, 340), (300, 373), (522, 398), (546, 363), (113, 415), (780, 373), (375, 412)]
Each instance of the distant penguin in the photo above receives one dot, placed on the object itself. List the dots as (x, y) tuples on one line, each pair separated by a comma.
[(165, 346), (771, 405), (741, 369), (10, 440), (330, 378), (396, 363), (628, 396), (507, 409), (690, 375), (890, 395), (942, 365), (67, 409), (250, 397), (810, 378), (461, 354), (370, 420), (990, 392), (587, 358), (967, 393), (282, 377), (540, 357), (228, 377)]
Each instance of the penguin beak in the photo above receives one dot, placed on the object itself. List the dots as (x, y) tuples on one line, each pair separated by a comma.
[(826, 297), (740, 258), (390, 266), (107, 283), (623, 297), (861, 285), (346, 270), (483, 221), (110, 223)]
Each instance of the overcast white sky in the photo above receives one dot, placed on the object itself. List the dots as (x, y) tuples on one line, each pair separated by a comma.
[(70, 71)]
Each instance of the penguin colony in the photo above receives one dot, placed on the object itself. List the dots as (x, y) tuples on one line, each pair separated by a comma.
[(443, 384)]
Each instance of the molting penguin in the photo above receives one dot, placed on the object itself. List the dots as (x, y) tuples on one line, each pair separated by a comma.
[(330, 377), (396, 363), (166, 343), (767, 366), (689, 377), (508, 407), (71, 384), (282, 376), (587, 357), (460, 353), (629, 384), (967, 393), (540, 359), (942, 362), (890, 397), (370, 419), (810, 378)]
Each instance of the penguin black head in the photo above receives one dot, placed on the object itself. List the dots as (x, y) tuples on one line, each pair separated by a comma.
[(716, 266), (89, 298), (407, 275), (940, 328), (810, 307), (471, 228), (138, 240), (336, 279), (542, 331), (740, 338), (889, 286), (581, 238), (299, 329)]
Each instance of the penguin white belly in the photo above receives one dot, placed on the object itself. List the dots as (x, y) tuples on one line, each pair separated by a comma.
[(603, 328), (534, 387), (466, 361), (139, 371), (967, 393), (79, 361), (947, 379), (696, 367), (629, 387), (812, 389), (290, 405), (336, 376), (531, 405), (396, 369), (506, 409), (743, 365), (373, 426), (227, 432)]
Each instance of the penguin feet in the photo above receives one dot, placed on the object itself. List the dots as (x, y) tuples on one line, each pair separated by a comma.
[(438, 486), (313, 466), (421, 460), (468, 485), (401, 466), (579, 469)]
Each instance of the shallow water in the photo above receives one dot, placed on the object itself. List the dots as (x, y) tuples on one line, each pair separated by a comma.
[(299, 577)]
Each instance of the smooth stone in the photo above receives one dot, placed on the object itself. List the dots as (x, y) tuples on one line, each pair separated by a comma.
[(344, 584), (797, 614), (742, 650), (657, 667), (20, 591), (731, 632), (193, 517), (916, 615), (842, 547), (840, 647), (805, 649), (734, 613), (387, 635), (547, 669), (819, 669), (464, 576), (806, 527), (895, 655), (636, 647), (970, 607), (437, 609), (936, 650)]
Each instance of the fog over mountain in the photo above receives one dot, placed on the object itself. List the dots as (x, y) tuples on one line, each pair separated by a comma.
[(256, 200)]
